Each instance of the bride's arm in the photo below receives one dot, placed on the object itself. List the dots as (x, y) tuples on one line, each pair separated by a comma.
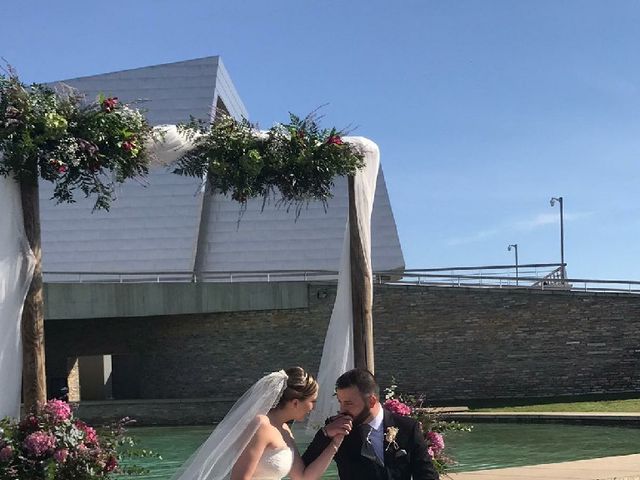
[(315, 469), (248, 460)]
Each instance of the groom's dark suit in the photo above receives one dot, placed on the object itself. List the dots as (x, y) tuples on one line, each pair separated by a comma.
[(408, 459)]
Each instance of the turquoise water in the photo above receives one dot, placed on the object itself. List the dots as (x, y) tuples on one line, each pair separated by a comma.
[(487, 446)]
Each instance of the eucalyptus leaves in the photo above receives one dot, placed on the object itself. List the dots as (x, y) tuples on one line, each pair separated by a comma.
[(294, 162)]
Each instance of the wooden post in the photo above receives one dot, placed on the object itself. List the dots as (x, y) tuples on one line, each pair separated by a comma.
[(34, 389), (361, 291)]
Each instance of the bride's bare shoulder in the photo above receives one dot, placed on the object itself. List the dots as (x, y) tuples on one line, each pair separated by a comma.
[(260, 421), (262, 428)]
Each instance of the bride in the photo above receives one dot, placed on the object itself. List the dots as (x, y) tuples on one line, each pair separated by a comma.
[(254, 441)]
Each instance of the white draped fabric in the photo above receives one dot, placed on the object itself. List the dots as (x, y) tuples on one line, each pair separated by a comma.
[(337, 353), (169, 145), (16, 269)]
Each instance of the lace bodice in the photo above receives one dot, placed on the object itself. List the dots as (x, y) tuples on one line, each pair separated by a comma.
[(274, 464)]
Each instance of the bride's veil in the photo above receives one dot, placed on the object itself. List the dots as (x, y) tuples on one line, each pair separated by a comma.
[(217, 455)]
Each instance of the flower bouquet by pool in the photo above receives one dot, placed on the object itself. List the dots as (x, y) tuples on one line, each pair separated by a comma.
[(434, 427), (50, 444)]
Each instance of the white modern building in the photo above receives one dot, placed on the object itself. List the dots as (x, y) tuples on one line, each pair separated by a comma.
[(167, 224)]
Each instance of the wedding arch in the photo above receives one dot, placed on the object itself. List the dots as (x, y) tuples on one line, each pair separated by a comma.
[(55, 136)]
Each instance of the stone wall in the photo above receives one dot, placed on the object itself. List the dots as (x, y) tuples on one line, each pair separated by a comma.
[(453, 344), (470, 343)]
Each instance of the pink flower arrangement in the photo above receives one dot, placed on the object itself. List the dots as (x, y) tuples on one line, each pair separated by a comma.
[(40, 443), (49, 443), (58, 410), (396, 406), (436, 443), (433, 427)]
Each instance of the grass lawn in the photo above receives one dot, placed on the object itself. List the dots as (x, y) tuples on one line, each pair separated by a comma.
[(612, 406)]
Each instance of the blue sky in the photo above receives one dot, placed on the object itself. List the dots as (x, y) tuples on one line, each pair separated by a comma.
[(483, 110)]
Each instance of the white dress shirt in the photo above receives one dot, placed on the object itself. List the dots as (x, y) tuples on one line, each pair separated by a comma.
[(377, 434)]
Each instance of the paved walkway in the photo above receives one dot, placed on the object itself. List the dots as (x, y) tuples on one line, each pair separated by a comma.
[(579, 418), (624, 467)]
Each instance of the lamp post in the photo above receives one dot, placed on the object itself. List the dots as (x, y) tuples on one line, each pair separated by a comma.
[(514, 246), (553, 202)]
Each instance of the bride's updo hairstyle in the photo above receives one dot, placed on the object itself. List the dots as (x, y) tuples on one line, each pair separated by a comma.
[(300, 386)]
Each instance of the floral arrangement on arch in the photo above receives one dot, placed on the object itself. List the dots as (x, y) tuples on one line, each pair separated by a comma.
[(54, 134), (50, 444), (433, 426), (295, 162)]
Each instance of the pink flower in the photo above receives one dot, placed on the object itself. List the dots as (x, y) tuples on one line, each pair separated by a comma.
[(430, 452), (40, 443), (435, 441), (90, 435), (334, 140), (396, 406), (127, 146), (61, 455), (57, 409), (59, 165), (6, 453)]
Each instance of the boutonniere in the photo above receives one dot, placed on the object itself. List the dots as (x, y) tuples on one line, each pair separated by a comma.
[(390, 437)]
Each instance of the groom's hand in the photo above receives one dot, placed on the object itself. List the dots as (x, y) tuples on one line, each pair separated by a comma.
[(338, 425)]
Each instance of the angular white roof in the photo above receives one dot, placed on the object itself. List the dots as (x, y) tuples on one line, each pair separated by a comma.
[(165, 223)]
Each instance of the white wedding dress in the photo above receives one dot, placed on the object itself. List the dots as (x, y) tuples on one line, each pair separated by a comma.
[(274, 464)]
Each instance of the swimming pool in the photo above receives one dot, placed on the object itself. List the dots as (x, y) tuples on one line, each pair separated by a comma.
[(487, 446)]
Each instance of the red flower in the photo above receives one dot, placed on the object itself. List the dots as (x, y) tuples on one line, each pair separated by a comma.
[(111, 464), (108, 104), (127, 146), (6, 453), (334, 140), (28, 423)]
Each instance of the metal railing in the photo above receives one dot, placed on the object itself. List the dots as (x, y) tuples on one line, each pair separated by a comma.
[(187, 276), (541, 276)]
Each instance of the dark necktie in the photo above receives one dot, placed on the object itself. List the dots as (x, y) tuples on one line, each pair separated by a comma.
[(367, 450)]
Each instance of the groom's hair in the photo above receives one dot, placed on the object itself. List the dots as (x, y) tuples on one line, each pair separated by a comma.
[(360, 378)]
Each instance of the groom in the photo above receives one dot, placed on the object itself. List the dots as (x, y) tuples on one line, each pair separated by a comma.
[(369, 452)]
